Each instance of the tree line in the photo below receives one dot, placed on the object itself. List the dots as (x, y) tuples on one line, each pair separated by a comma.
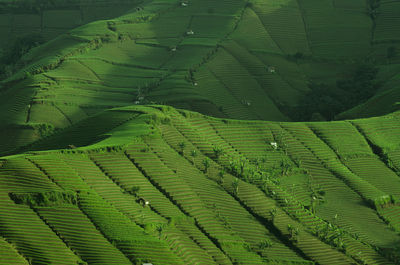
[(13, 52), (323, 102)]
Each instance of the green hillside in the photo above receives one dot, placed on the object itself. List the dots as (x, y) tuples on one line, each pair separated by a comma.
[(270, 60), (200, 132), (25, 24), (218, 192)]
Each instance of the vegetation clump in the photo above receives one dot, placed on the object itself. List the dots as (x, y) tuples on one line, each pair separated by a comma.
[(218, 152), (328, 102), (47, 198), (15, 51)]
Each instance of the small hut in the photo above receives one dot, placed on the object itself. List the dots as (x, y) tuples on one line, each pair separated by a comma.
[(246, 102), (143, 202), (271, 69)]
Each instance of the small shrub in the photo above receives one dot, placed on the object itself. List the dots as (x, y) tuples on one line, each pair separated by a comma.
[(249, 4), (44, 129), (135, 191), (293, 233), (206, 164), (286, 166), (182, 146), (266, 243), (221, 176), (193, 154), (218, 151), (235, 186), (273, 213), (28, 75)]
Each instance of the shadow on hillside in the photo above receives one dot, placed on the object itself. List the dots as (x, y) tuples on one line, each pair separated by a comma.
[(140, 58), (156, 62)]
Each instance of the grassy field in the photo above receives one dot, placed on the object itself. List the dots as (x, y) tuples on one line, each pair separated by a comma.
[(191, 189)]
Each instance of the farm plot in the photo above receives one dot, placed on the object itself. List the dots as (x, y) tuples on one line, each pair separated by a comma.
[(190, 202), (252, 34), (9, 254), (206, 213), (387, 22), (31, 236), (283, 20), (164, 27), (243, 86), (121, 75), (283, 80), (220, 95), (121, 170), (343, 138), (314, 153), (81, 235), (219, 142), (130, 238), (95, 129), (376, 172), (26, 24), (350, 5), (187, 56), (134, 53), (211, 26), (21, 175), (62, 19), (335, 32)]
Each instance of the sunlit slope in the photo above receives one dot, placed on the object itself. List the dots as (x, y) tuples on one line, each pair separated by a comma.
[(218, 191), (230, 58)]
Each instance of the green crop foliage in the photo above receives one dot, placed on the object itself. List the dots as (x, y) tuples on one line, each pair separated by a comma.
[(135, 190), (206, 163), (245, 191), (51, 198), (218, 152), (199, 132)]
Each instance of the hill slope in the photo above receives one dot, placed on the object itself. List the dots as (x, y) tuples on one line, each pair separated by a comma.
[(218, 191), (96, 169), (231, 58)]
